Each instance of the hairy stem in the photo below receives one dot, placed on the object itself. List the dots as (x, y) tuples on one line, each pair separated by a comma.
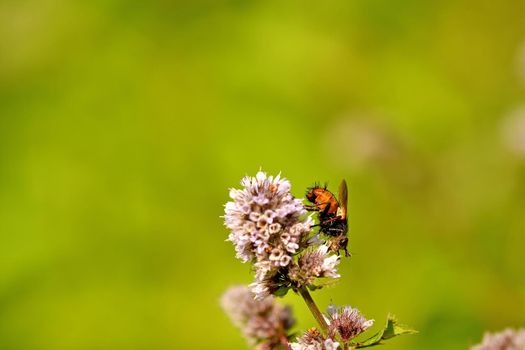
[(314, 309)]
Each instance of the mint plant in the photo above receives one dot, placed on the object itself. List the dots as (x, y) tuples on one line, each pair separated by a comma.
[(271, 230)]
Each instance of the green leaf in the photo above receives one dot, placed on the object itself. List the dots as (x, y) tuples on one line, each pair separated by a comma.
[(281, 291), (391, 330)]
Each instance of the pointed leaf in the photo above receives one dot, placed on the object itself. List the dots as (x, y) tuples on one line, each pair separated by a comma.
[(392, 329)]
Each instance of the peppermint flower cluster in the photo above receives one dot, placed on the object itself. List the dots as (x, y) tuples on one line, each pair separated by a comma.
[(270, 229), (263, 322), (508, 339)]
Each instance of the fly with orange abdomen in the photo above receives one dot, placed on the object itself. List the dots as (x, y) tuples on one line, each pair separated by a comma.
[(332, 214)]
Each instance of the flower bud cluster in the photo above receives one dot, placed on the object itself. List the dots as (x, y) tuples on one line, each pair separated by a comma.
[(265, 221), (346, 322), (263, 322), (315, 263), (508, 339)]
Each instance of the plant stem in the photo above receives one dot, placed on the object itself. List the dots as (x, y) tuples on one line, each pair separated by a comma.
[(314, 309), (284, 342)]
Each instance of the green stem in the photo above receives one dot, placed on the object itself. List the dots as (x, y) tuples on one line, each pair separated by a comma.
[(314, 309)]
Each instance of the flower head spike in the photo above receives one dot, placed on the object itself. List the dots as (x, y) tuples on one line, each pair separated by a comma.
[(261, 321), (509, 339), (314, 340), (347, 322), (266, 226), (264, 220)]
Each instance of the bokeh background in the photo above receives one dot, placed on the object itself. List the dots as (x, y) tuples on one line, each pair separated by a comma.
[(124, 123)]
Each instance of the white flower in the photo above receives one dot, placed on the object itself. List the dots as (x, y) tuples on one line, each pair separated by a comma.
[(261, 289), (329, 344), (328, 267)]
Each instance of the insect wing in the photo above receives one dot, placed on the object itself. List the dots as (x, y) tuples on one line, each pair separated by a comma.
[(343, 198)]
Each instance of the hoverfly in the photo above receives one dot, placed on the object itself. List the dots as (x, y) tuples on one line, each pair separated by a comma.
[(332, 214)]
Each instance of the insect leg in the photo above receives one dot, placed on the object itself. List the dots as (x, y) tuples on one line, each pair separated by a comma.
[(311, 207)]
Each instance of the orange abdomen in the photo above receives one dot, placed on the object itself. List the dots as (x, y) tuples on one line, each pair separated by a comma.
[(326, 199)]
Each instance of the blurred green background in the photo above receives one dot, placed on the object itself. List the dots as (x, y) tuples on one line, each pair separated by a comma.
[(124, 123)]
